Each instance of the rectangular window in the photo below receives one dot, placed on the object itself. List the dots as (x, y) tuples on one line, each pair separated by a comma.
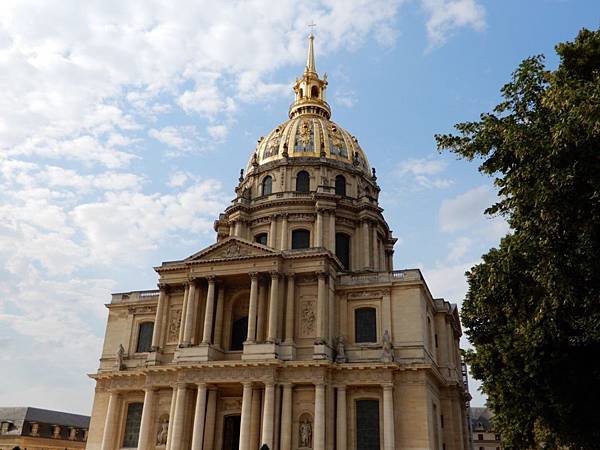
[(365, 322), (367, 425), (132, 425), (144, 343)]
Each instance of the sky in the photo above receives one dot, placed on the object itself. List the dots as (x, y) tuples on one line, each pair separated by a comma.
[(123, 127)]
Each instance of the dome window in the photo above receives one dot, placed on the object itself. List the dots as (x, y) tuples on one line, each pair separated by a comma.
[(340, 185), (314, 92), (267, 185), (300, 239), (342, 249), (303, 181), (261, 238)]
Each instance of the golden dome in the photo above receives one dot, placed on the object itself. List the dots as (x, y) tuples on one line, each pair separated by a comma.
[(309, 132)]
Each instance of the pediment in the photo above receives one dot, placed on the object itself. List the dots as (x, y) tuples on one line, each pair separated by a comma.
[(232, 248)]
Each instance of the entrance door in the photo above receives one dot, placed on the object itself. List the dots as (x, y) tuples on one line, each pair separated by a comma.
[(231, 433)]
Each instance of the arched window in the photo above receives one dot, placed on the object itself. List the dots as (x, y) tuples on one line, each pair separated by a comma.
[(367, 424), (301, 93), (303, 181), (261, 238), (132, 425), (342, 249), (314, 92), (144, 342), (300, 239), (267, 185), (340, 185), (365, 325)]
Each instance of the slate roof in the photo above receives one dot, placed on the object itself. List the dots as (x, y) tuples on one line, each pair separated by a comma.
[(29, 414)]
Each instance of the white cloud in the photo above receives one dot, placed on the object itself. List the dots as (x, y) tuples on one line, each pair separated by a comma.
[(217, 132), (422, 173), (466, 212), (175, 137), (458, 248), (177, 179), (445, 16)]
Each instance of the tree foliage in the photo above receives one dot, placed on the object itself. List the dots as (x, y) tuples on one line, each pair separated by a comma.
[(532, 311)]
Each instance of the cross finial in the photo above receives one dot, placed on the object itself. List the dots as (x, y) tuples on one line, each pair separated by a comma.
[(312, 26)]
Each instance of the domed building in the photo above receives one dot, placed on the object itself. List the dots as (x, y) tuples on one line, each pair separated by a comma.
[(293, 330)]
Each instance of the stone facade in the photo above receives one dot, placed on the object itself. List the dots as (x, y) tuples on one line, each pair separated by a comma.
[(26, 428), (485, 437), (302, 267)]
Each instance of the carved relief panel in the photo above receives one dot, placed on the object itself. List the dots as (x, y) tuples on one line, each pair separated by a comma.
[(307, 316), (173, 325)]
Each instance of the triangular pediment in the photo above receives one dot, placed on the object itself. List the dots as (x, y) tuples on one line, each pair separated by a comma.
[(232, 248)]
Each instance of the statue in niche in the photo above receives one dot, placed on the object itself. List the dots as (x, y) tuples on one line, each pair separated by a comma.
[(305, 434), (161, 438), (387, 354), (341, 350), (119, 357)]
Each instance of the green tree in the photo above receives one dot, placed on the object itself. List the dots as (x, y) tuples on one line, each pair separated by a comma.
[(532, 311)]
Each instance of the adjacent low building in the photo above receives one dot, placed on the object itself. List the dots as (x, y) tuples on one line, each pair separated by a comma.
[(482, 426), (27, 428)]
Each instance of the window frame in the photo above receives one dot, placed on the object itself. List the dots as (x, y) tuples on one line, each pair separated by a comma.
[(125, 415), (262, 184), (367, 397), (345, 185), (139, 332), (376, 324), (307, 181), (349, 256), (266, 235), (296, 230)]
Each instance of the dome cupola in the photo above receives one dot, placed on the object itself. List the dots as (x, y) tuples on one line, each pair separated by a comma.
[(309, 132)]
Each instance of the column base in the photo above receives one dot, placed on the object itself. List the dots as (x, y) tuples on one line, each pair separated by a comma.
[(199, 353), (287, 351), (254, 351), (154, 358), (322, 351)]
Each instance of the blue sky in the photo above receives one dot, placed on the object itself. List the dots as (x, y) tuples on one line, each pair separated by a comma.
[(123, 126)]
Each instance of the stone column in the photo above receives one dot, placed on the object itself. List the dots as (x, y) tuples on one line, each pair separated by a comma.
[(331, 312), (332, 231), (199, 416), (208, 312), (268, 415), (284, 232), (321, 302), (262, 305), (110, 423), (238, 228), (209, 428), (272, 231), (219, 317), (375, 262), (273, 307), (171, 415), (289, 310), (388, 417), (178, 422), (245, 417), (319, 425), (342, 427), (319, 229), (366, 237), (255, 419), (286, 418), (189, 315), (146, 436), (252, 307), (158, 320), (183, 314)]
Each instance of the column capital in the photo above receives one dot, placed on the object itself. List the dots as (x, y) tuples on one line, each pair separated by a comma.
[(150, 388), (202, 385), (191, 279), (162, 286), (269, 383), (274, 216), (247, 384), (211, 279), (290, 275), (287, 384), (321, 274), (254, 275), (274, 274), (387, 386), (341, 387), (284, 216)]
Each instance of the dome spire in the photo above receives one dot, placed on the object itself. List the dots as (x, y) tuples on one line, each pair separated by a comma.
[(310, 57), (309, 88)]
